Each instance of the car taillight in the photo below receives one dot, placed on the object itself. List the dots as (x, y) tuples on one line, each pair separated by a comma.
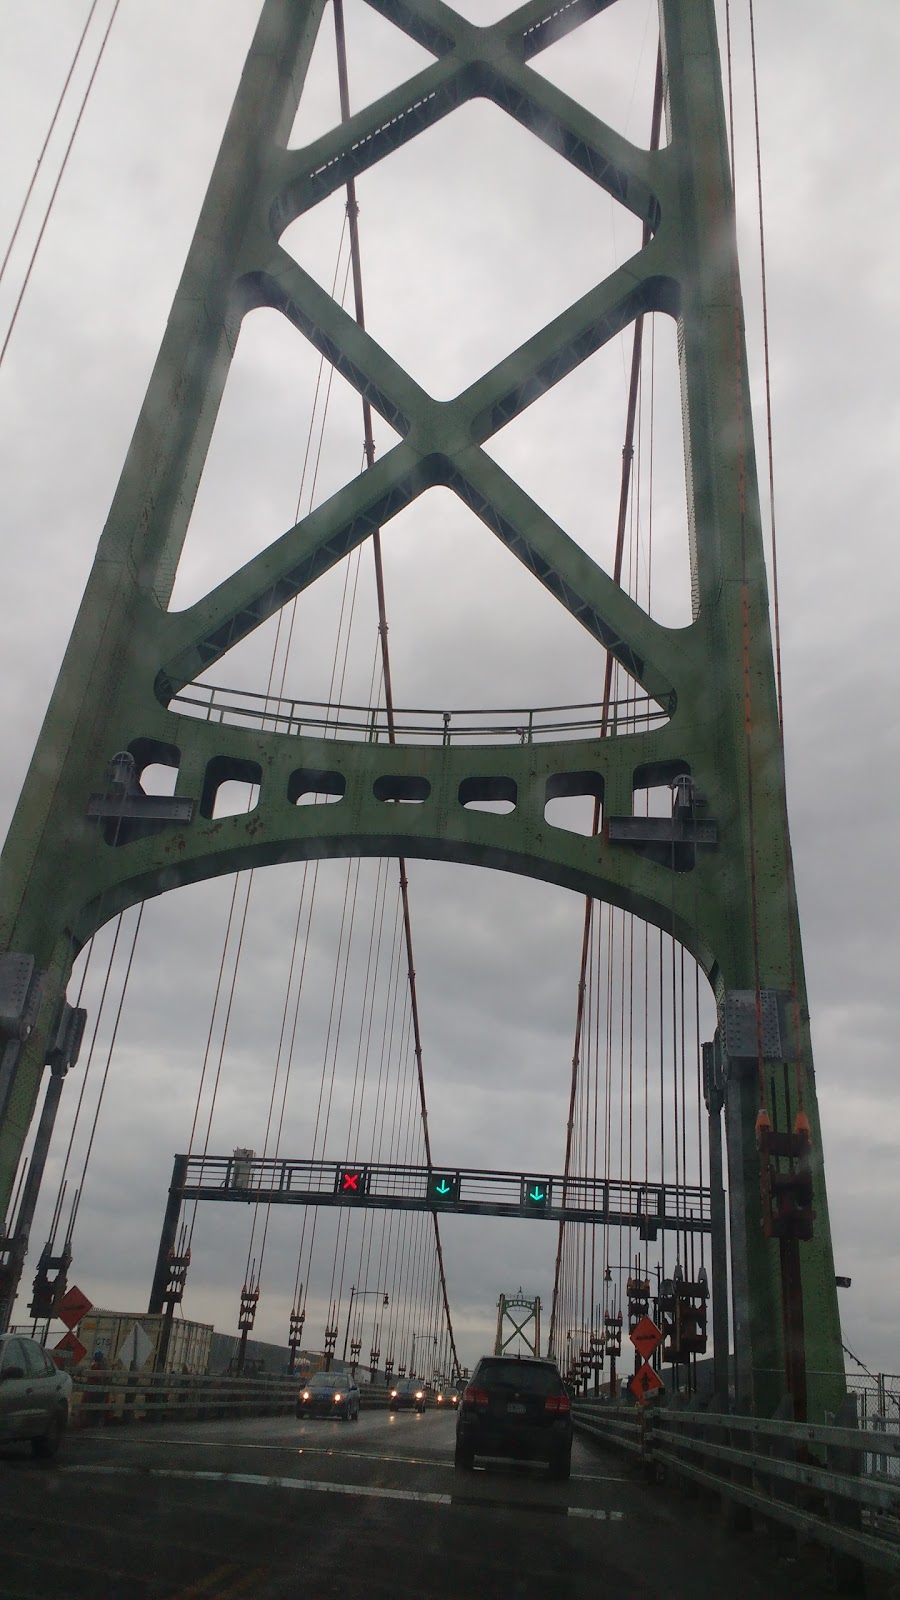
[(476, 1397), (557, 1402)]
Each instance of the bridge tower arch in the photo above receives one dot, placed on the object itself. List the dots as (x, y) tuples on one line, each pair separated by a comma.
[(86, 841)]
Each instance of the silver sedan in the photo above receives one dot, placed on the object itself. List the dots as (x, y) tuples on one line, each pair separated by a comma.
[(34, 1395)]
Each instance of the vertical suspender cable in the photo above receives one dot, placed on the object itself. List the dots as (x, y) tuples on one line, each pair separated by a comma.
[(353, 219), (627, 458)]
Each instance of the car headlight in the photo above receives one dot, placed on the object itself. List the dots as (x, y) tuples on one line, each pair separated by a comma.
[(419, 1395), (338, 1397), (393, 1394), (439, 1398), (305, 1395)]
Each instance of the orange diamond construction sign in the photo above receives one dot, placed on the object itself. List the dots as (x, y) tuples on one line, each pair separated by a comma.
[(645, 1382), (645, 1337)]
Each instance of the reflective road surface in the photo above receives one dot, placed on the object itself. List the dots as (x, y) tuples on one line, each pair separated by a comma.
[(275, 1509)]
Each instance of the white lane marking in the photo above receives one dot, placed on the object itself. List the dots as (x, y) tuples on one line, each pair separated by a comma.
[(356, 1490), (348, 1455), (596, 1516), (302, 1450), (367, 1491)]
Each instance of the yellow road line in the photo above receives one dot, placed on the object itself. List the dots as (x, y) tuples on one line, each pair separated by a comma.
[(203, 1586), (248, 1584)]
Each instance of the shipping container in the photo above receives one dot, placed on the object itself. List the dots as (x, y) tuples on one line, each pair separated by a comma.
[(129, 1340)]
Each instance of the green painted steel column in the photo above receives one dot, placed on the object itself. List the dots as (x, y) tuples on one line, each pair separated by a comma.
[(709, 688)]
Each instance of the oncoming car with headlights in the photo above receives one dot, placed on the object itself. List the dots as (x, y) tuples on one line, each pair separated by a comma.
[(330, 1394), (447, 1399), (406, 1395)]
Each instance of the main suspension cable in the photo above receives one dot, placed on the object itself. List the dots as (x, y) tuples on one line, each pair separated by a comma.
[(59, 179), (49, 135)]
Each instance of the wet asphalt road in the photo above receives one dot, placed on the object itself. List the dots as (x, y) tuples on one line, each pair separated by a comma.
[(276, 1509)]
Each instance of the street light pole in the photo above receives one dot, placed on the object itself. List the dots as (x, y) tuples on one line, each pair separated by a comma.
[(349, 1320), (363, 1293)]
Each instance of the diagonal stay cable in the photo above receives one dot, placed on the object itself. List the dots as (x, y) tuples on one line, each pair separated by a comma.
[(355, 257)]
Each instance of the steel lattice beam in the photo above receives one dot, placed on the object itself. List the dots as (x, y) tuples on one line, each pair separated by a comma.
[(62, 876)]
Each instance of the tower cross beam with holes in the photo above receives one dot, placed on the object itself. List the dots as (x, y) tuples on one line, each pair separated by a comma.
[(87, 842)]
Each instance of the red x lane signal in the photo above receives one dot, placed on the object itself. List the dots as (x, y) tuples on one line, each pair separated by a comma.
[(352, 1183)]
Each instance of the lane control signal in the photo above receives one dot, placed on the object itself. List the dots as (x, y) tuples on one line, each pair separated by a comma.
[(535, 1194), (443, 1187), (352, 1183)]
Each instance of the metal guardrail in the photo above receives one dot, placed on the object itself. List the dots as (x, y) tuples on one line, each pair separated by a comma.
[(100, 1398), (813, 1479), (240, 708)]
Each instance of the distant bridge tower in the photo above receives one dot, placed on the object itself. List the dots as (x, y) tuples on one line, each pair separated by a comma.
[(86, 841), (518, 1318)]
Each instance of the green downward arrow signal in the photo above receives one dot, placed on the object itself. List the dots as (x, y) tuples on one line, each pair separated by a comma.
[(536, 1194), (443, 1187)]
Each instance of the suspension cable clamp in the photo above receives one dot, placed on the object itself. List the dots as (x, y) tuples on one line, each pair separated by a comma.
[(64, 1045)]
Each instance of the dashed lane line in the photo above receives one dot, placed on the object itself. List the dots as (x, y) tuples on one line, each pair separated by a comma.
[(363, 1491), (263, 1481), (355, 1455)]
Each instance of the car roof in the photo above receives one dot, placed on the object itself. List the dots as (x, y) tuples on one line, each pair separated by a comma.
[(526, 1361)]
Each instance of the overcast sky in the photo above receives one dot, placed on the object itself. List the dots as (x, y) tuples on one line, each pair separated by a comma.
[(473, 237)]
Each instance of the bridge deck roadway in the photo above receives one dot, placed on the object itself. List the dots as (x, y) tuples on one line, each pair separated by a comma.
[(370, 1509)]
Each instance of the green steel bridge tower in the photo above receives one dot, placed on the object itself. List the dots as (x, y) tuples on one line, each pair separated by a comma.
[(86, 841)]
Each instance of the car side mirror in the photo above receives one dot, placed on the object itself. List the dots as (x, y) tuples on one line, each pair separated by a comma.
[(11, 1372)]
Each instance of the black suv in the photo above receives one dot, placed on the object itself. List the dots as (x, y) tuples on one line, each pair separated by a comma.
[(516, 1408)]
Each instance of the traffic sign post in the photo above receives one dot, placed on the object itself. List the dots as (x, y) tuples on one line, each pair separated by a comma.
[(71, 1345), (73, 1306), (135, 1348), (646, 1337), (645, 1383)]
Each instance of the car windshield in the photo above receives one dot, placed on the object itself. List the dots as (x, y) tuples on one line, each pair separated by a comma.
[(535, 1376)]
